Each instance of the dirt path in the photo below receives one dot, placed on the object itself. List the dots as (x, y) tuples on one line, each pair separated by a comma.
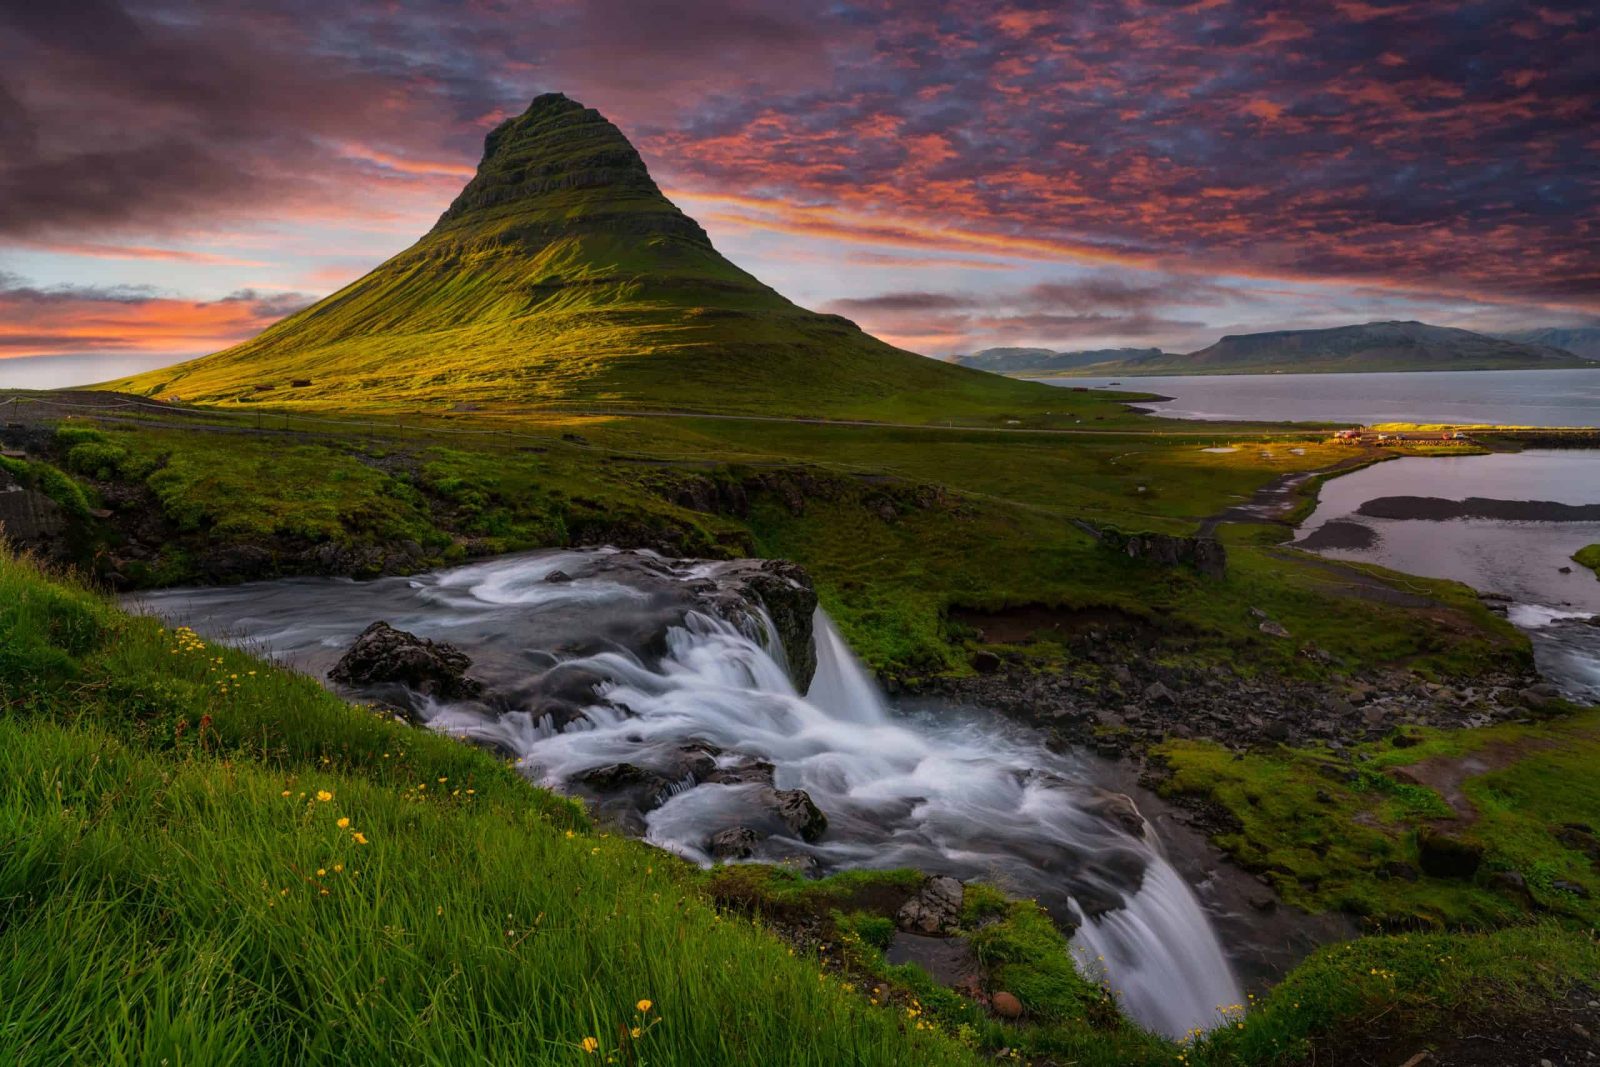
[(1446, 775), (1273, 502)]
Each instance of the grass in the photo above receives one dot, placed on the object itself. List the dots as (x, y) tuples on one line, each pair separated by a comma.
[(899, 526), (175, 882), (1340, 831)]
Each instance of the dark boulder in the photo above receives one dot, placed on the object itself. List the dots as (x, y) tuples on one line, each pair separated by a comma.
[(784, 590), (985, 662), (795, 809), (383, 654), (1444, 855), (734, 843)]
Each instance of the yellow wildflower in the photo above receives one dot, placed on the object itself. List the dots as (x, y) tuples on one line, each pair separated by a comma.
[(644, 1005), (589, 1044), (359, 837), (344, 822), (324, 796)]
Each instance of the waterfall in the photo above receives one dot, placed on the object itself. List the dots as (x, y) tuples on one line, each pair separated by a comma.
[(708, 718)]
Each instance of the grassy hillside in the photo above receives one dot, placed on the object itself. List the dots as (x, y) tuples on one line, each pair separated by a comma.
[(206, 860), (561, 275)]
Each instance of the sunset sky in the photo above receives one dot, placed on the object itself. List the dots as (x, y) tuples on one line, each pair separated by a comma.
[(953, 176)]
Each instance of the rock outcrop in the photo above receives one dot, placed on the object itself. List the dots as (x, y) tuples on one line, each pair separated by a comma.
[(384, 655), (28, 518), (936, 909), (784, 590), (1204, 554)]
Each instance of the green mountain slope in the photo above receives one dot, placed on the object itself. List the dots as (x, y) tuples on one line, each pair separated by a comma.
[(562, 275)]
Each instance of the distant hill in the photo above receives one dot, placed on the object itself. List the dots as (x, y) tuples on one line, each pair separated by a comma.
[(1375, 346), (1579, 340), (1041, 360), (562, 276)]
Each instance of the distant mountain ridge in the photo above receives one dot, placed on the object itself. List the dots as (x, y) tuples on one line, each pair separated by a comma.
[(561, 275), (1036, 360), (1369, 347), (1581, 341)]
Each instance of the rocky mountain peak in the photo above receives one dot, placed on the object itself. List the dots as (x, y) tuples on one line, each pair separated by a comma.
[(560, 166)]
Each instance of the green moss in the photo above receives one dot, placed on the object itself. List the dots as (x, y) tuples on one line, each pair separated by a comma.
[(53, 483), (1329, 832), (1589, 556)]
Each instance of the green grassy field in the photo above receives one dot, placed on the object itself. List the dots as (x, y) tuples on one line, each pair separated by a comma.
[(899, 526)]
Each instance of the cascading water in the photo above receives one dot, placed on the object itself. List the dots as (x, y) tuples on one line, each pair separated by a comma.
[(945, 792)]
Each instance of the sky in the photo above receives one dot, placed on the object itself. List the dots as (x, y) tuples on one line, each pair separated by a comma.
[(951, 175)]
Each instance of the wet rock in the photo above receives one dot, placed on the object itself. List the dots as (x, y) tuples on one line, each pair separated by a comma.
[(1118, 808), (796, 810), (745, 771), (617, 776), (1563, 886), (1273, 628), (985, 662), (785, 591), (697, 761), (1444, 855), (734, 843), (1540, 696), (1006, 1005), (935, 909), (383, 654), (558, 577)]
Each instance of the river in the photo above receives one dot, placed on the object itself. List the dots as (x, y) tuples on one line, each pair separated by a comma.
[(938, 789)]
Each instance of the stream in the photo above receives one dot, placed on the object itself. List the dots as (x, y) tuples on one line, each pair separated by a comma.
[(599, 659)]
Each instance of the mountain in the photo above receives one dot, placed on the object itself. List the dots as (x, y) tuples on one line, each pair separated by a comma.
[(1375, 346), (1042, 360), (1581, 341), (562, 276)]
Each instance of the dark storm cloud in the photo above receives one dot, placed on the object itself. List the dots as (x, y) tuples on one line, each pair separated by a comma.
[(902, 302), (1443, 147)]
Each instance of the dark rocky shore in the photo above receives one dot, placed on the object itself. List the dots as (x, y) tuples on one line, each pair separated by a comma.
[(1133, 704)]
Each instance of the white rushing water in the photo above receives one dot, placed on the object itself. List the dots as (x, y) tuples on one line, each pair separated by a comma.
[(947, 793)]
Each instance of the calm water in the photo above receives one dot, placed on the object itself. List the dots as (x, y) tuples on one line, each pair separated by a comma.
[(1464, 398), (61, 372), (1521, 560)]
